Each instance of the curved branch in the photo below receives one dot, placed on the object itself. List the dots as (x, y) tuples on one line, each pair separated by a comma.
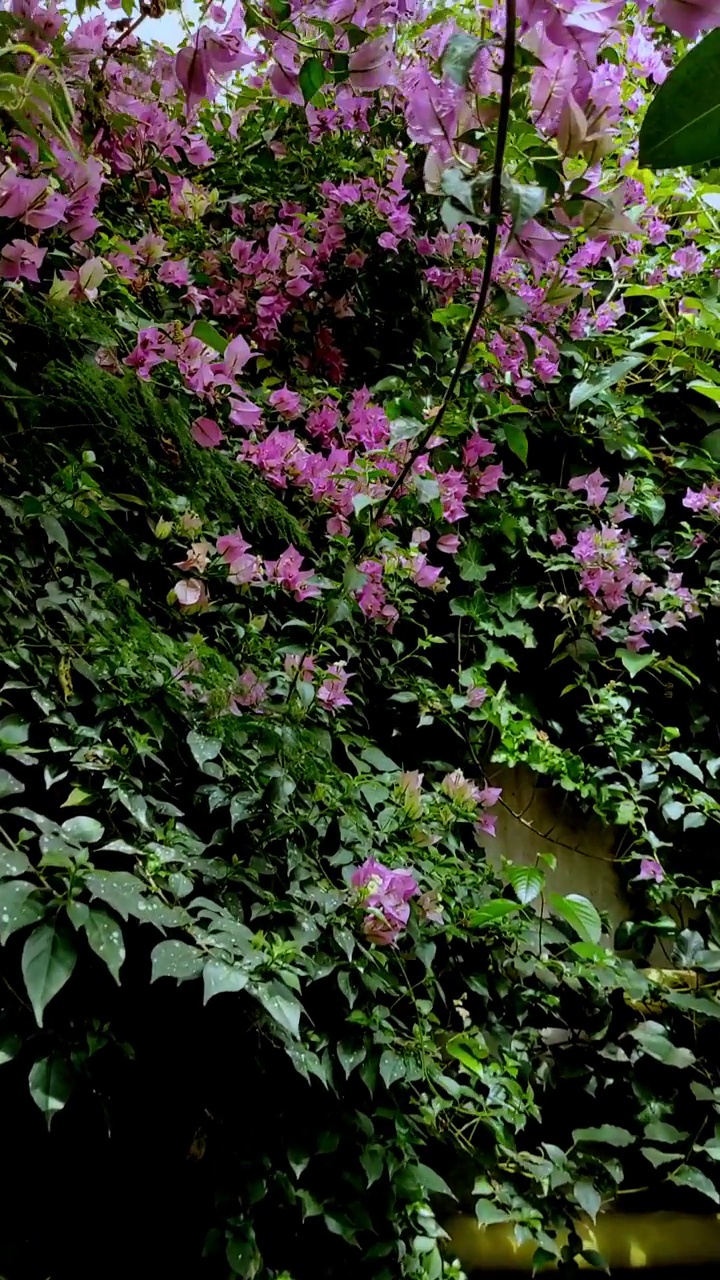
[(495, 215)]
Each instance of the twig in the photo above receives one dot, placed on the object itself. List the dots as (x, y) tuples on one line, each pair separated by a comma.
[(495, 214)]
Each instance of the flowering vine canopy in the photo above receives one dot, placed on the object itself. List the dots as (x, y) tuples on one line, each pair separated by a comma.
[(360, 442)]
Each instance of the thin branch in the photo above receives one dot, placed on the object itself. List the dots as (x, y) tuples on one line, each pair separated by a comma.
[(494, 217)]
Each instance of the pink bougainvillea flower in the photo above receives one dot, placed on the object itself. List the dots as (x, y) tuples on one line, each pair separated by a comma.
[(429, 907), (475, 696), (175, 272), (689, 17), (210, 54), (387, 894), (650, 869), (448, 544), (243, 413), (371, 64), (332, 690), (595, 486), (287, 403), (231, 546), (206, 433), (20, 260), (190, 592)]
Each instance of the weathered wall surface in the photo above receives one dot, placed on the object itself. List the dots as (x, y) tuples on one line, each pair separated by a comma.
[(543, 819)]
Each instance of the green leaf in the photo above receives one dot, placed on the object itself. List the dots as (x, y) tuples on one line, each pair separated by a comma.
[(709, 389), (13, 862), (517, 440), (392, 1067), (527, 882), (311, 77), (588, 1197), (488, 1214), (9, 786), (657, 1157), (711, 443), (492, 912), (13, 733), (48, 959), (377, 758), (459, 55), (431, 1181), (580, 914), (653, 1040), (211, 336), (203, 749), (219, 976), (372, 1161), (524, 201), (54, 531), (10, 1046), (684, 762), (659, 1131), (589, 388), (682, 124), (350, 1056), (50, 1082), (634, 663), (281, 1004), (176, 959), (18, 908), (83, 830), (607, 1134), (105, 937), (686, 1176), (122, 891)]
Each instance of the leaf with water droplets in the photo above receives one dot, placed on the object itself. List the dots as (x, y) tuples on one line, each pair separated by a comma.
[(51, 1083), (48, 959), (10, 1046), (105, 937), (280, 1003), (18, 907), (219, 976), (13, 863), (176, 959)]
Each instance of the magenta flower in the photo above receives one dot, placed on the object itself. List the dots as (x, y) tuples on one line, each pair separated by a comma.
[(595, 486), (286, 402), (206, 433), (371, 64), (448, 544), (387, 894), (650, 869), (475, 696), (20, 260), (332, 690), (689, 17)]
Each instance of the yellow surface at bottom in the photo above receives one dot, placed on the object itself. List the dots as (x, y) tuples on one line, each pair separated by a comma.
[(624, 1240)]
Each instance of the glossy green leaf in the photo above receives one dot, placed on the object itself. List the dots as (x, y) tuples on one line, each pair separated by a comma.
[(19, 907), (50, 1082), (48, 960), (176, 959), (687, 1176), (610, 1135), (492, 912), (681, 127), (527, 882), (579, 913), (106, 939), (311, 77), (459, 57), (219, 976)]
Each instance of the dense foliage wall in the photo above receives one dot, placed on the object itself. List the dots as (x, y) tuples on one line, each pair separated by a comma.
[(358, 430)]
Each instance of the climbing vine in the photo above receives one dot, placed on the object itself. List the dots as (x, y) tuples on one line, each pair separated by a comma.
[(359, 435)]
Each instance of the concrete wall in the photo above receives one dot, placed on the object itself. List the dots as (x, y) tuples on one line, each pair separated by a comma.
[(544, 819)]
